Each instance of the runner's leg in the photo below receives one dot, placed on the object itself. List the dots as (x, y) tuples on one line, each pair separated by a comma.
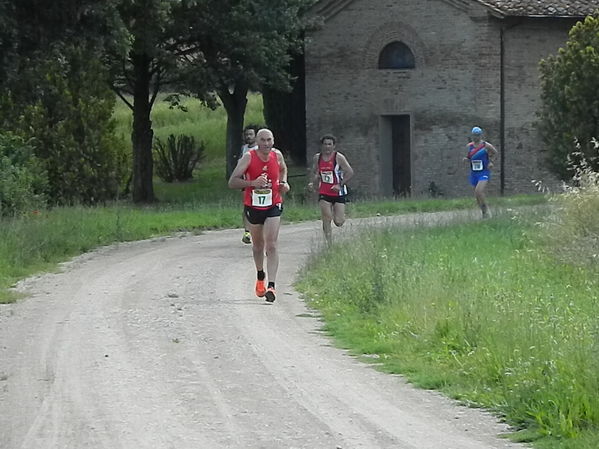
[(326, 213), (339, 214), (479, 193), (257, 233), (271, 236)]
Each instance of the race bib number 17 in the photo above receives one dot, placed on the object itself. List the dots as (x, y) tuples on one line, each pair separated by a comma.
[(262, 197)]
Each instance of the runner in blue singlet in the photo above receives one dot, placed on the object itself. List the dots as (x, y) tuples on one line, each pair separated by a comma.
[(481, 156)]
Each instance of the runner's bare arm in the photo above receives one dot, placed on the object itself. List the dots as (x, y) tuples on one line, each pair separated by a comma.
[(236, 180), (348, 171), (492, 153), (283, 185), (313, 173), (466, 159)]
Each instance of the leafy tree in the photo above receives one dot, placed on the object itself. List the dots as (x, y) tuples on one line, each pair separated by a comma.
[(7, 37), (65, 106), (244, 45), (570, 109), (136, 75), (159, 56), (28, 28), (55, 90)]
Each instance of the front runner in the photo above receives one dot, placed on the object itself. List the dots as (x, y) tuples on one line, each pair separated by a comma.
[(262, 172), (331, 171), (481, 156)]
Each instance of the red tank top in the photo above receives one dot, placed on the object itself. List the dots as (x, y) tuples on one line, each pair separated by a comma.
[(270, 195), (329, 174)]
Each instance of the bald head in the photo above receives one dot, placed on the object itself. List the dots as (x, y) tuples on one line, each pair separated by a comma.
[(264, 131), (265, 139)]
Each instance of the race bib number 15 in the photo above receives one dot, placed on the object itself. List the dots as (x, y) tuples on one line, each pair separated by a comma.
[(262, 197)]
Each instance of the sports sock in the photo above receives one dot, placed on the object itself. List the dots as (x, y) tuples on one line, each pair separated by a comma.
[(271, 284), (261, 275)]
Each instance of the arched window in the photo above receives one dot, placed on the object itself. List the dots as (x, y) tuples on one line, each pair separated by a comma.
[(396, 55)]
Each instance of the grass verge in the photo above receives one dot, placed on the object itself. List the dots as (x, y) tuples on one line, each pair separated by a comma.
[(479, 311)]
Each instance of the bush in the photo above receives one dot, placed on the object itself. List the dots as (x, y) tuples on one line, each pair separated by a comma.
[(176, 160), (22, 180), (63, 103), (573, 229)]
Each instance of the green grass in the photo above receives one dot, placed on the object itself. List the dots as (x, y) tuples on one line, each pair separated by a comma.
[(479, 311), (199, 122)]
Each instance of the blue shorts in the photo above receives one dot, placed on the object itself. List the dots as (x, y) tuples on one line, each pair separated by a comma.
[(477, 176)]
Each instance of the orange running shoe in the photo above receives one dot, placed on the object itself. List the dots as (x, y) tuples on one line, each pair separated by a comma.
[(270, 294), (260, 288)]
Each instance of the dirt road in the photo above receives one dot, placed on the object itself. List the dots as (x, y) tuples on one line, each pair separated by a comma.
[(161, 344)]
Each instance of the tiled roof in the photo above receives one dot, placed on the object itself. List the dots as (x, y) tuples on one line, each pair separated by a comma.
[(563, 8)]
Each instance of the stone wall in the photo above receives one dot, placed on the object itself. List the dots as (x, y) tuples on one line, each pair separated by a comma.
[(526, 43)]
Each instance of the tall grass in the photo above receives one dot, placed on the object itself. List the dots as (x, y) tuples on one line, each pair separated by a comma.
[(39, 241), (572, 231), (476, 310)]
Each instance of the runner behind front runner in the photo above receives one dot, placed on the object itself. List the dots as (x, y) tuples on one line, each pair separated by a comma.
[(331, 171), (249, 143)]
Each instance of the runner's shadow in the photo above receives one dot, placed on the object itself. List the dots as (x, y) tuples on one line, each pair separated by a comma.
[(242, 302)]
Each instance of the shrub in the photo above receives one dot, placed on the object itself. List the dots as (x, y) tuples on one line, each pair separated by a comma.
[(176, 159), (22, 180), (573, 229), (63, 103)]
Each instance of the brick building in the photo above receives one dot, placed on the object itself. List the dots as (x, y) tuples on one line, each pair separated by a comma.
[(402, 82)]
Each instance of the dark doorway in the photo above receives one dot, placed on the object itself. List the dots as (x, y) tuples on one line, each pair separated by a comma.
[(401, 155)]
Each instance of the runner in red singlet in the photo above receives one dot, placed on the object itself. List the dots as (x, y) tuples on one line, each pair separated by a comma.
[(262, 172), (331, 171)]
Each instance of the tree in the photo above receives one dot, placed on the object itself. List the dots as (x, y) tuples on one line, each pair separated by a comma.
[(159, 56), (282, 108), (64, 105), (570, 105), (136, 74), (55, 92), (7, 37), (28, 28), (245, 45)]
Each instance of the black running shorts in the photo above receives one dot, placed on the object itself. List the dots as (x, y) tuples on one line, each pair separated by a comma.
[(331, 199), (259, 216)]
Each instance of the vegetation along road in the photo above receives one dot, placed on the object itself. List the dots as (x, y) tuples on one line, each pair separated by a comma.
[(161, 344)]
